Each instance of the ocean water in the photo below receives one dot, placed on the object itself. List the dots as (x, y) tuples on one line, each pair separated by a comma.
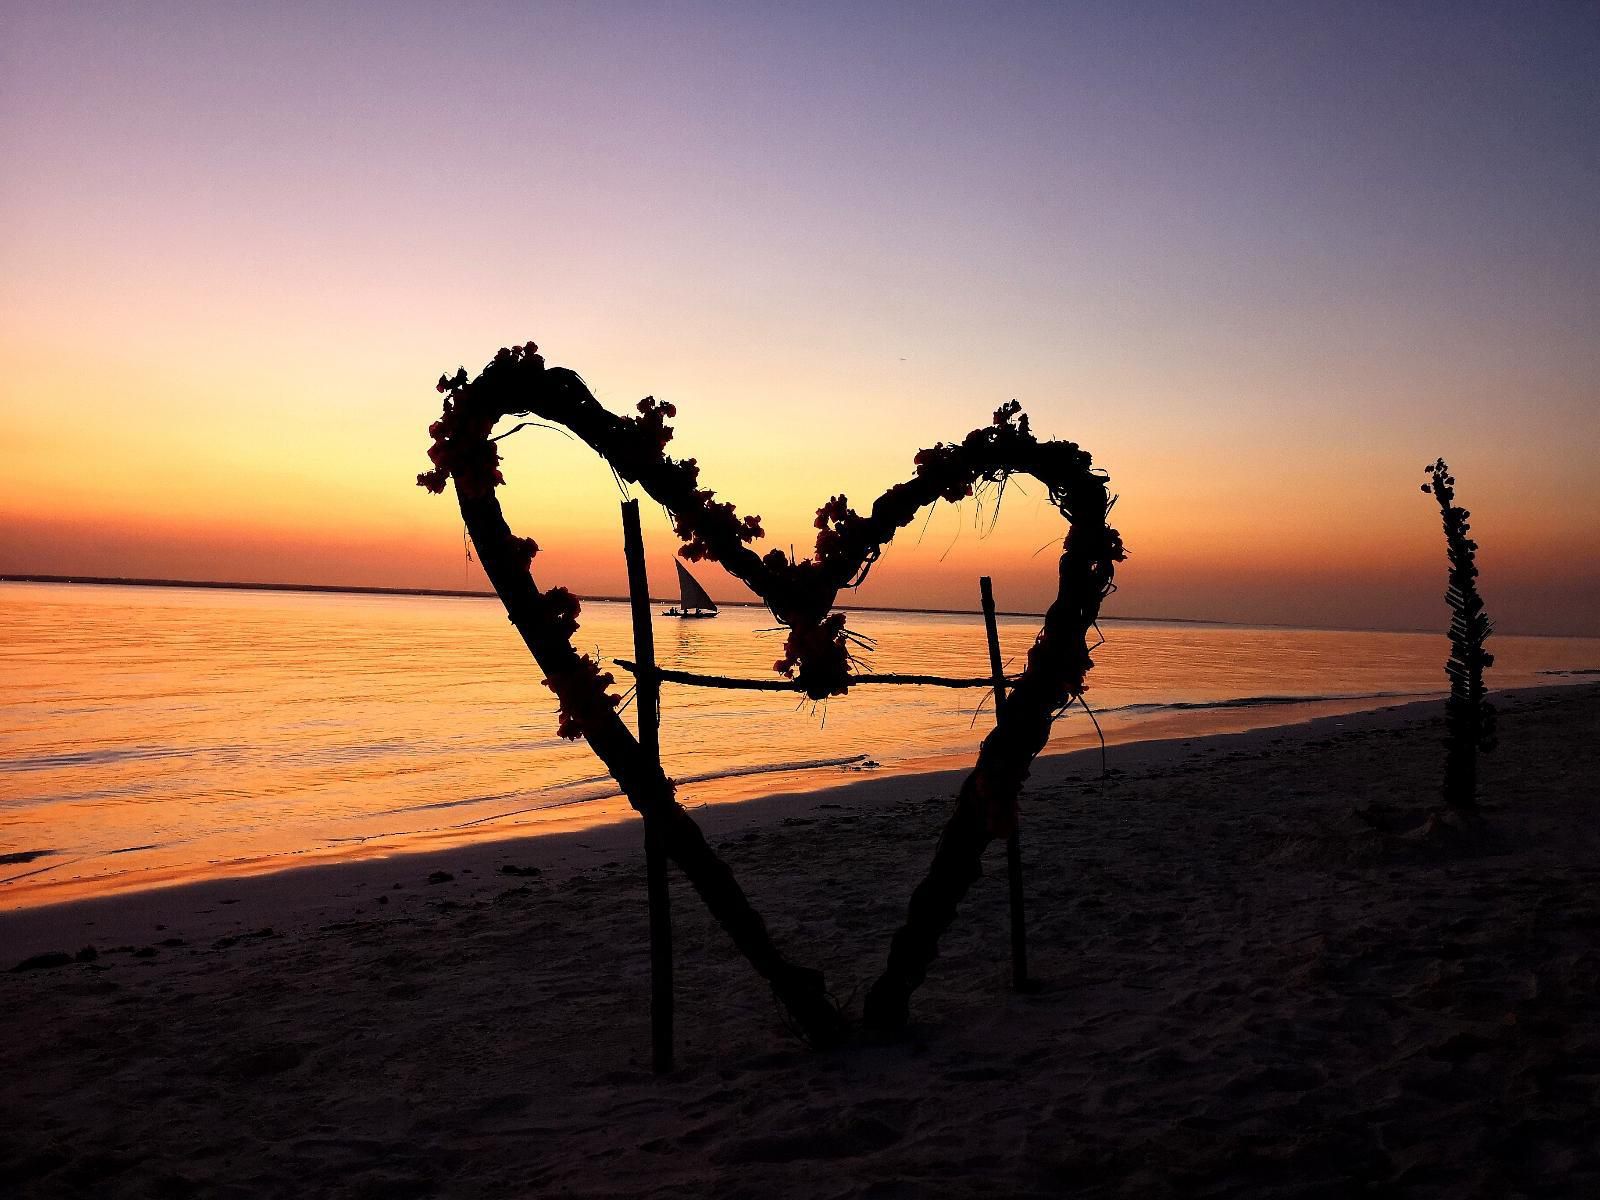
[(157, 735)]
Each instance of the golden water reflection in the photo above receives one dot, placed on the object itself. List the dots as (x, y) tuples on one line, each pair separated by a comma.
[(156, 735)]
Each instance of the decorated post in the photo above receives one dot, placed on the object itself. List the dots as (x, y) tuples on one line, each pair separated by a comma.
[(1469, 717)]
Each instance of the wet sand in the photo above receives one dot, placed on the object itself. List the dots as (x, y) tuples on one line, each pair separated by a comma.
[(1259, 975)]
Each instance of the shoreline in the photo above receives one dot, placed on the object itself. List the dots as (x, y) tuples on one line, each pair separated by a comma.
[(606, 806), (297, 893)]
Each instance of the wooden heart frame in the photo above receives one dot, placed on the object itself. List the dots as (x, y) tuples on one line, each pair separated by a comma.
[(801, 595)]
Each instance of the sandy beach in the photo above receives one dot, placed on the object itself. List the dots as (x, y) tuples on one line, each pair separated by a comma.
[(1258, 975)]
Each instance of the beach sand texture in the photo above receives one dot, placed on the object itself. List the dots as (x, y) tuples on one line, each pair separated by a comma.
[(1255, 982)]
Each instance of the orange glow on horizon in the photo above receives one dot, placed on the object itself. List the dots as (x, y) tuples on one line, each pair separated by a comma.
[(271, 486)]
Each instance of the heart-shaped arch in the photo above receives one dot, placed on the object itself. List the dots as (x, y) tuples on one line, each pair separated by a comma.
[(801, 595)]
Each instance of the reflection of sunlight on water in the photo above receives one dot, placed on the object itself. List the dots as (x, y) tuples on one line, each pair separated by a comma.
[(152, 735)]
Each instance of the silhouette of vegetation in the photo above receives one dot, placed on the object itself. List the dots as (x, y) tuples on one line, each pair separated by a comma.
[(1469, 717), (801, 594)]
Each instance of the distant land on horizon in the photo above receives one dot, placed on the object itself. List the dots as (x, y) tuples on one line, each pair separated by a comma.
[(465, 594), (468, 594)]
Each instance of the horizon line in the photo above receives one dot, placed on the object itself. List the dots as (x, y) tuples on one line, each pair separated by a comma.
[(468, 594)]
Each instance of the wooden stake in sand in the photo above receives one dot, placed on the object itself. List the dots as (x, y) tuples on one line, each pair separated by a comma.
[(1019, 928), (647, 700)]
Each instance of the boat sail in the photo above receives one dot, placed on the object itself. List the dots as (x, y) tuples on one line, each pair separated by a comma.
[(692, 599)]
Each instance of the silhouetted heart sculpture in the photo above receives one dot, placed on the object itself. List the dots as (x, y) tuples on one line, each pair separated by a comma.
[(801, 595)]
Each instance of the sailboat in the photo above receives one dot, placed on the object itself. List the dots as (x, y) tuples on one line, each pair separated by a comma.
[(692, 599)]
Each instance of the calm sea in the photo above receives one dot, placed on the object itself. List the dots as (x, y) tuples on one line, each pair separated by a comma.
[(153, 735)]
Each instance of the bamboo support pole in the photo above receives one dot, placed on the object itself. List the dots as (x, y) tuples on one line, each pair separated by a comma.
[(695, 679), (1019, 928), (647, 702)]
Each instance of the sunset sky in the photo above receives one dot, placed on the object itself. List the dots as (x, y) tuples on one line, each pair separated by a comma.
[(1263, 261)]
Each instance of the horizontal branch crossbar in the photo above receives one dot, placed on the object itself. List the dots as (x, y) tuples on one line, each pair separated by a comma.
[(695, 679)]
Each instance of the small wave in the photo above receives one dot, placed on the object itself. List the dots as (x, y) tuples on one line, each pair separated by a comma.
[(24, 856), (811, 764), (433, 804), (48, 799), (46, 868), (1574, 671), (341, 754), (91, 758), (1258, 701)]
